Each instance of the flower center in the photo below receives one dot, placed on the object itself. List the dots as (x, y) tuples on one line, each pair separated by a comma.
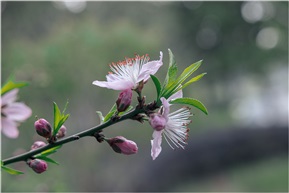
[(157, 121)]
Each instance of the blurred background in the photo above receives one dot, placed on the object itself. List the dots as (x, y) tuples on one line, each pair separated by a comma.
[(61, 47)]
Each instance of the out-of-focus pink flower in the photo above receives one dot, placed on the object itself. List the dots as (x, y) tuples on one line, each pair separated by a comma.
[(38, 165), (173, 126), (122, 145), (124, 100), (129, 73), (12, 113)]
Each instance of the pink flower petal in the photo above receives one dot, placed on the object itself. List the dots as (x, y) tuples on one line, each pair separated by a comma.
[(150, 68), (9, 128), (115, 85), (156, 144), (177, 95), (166, 106), (9, 97), (17, 111)]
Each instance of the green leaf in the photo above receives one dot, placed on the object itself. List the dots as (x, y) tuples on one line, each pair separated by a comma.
[(11, 171), (49, 151), (10, 84), (110, 113), (101, 118), (189, 71), (65, 107), (172, 70), (175, 86), (192, 102), (59, 118), (47, 159), (157, 85), (196, 78)]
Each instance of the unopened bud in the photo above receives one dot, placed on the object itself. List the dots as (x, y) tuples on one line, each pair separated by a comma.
[(43, 128), (37, 144), (38, 165), (62, 132), (124, 100), (157, 121), (122, 145)]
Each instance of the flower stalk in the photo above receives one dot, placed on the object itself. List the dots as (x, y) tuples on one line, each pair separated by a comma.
[(86, 133)]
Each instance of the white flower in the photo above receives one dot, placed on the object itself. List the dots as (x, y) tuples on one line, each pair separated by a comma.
[(128, 73), (174, 130), (12, 112)]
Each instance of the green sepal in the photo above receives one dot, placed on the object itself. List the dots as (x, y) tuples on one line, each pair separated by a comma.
[(101, 118), (190, 101), (10, 170), (110, 113), (49, 151), (11, 84), (46, 159), (59, 118), (157, 85), (128, 109)]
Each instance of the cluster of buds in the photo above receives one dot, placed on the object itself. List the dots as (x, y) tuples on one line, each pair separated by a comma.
[(37, 165), (44, 129)]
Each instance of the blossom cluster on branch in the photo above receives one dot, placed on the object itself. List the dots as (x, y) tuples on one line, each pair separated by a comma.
[(127, 77)]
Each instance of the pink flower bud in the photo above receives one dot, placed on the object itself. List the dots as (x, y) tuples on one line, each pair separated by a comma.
[(157, 121), (62, 132), (124, 100), (37, 144), (122, 145), (43, 128), (38, 165)]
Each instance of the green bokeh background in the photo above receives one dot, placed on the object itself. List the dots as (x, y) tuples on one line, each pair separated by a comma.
[(62, 48)]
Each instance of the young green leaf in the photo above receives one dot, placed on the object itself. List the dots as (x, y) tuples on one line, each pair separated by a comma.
[(49, 151), (157, 85), (47, 159), (175, 86), (196, 78), (10, 84), (189, 71), (172, 70), (190, 101), (110, 113), (101, 118), (11, 171), (59, 118)]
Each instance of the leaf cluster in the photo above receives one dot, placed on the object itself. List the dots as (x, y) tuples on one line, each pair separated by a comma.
[(59, 118), (173, 84)]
